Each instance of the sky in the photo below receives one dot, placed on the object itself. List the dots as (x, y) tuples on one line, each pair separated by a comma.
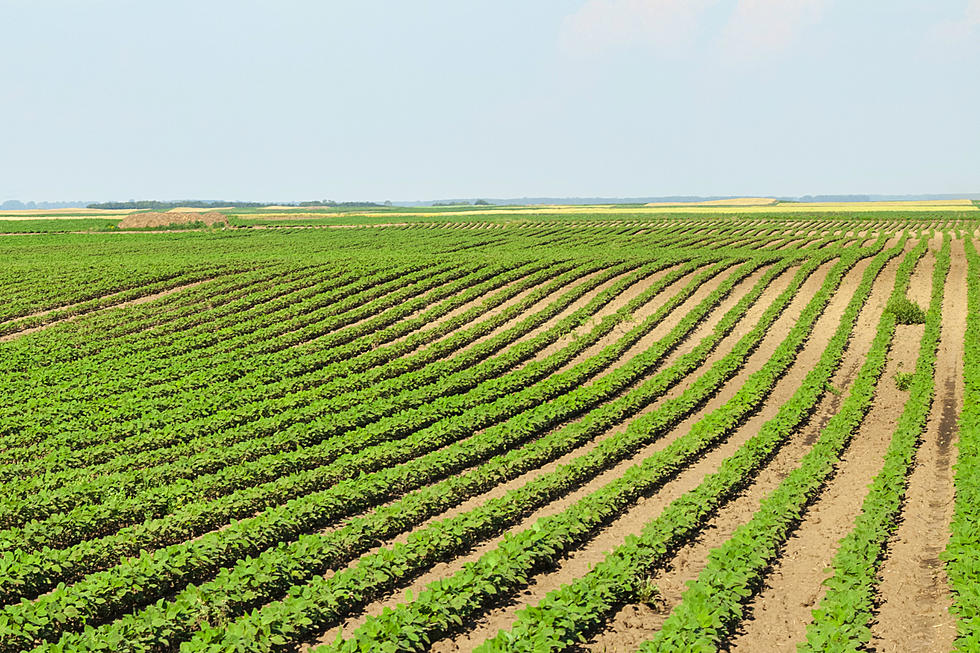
[(281, 100)]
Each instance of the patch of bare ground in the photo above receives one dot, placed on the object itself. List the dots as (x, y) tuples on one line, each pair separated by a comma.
[(132, 302), (920, 284), (914, 596), (781, 611), (444, 569), (158, 219), (579, 561), (635, 623), (579, 303)]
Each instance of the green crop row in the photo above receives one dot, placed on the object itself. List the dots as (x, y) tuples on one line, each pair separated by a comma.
[(254, 581), (716, 600), (233, 396), (842, 621), (327, 427), (335, 499), (564, 615), (445, 603), (322, 312), (962, 554), (376, 363)]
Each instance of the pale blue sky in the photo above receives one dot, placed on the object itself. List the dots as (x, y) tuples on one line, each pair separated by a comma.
[(291, 100)]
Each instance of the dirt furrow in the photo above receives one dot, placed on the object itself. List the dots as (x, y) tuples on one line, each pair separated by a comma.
[(781, 611), (637, 622), (454, 565), (544, 302), (619, 302), (578, 562), (671, 321), (914, 592)]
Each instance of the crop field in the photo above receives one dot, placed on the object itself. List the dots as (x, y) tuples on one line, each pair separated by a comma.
[(649, 432)]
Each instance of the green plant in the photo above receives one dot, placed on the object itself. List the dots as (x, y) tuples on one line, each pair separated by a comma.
[(648, 593), (906, 311), (903, 380)]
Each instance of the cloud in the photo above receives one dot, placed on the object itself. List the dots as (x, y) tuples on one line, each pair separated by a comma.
[(667, 26), (956, 34), (758, 28)]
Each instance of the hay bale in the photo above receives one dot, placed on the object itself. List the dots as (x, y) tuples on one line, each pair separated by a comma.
[(157, 219)]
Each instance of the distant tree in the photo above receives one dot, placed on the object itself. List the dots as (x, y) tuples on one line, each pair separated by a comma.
[(481, 203)]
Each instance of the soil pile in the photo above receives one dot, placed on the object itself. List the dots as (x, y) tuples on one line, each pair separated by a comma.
[(156, 219)]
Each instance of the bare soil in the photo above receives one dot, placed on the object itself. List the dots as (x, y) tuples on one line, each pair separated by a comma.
[(794, 588), (157, 219), (579, 561), (914, 594)]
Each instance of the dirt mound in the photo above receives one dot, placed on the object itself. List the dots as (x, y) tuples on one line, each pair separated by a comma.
[(156, 219)]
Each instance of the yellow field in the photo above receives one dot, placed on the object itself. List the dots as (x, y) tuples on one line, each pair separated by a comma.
[(737, 205)]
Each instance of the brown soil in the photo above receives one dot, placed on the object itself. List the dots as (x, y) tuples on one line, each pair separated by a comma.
[(638, 622), (633, 520), (571, 308), (668, 323), (451, 567), (157, 219), (781, 611), (534, 308), (132, 302), (914, 592)]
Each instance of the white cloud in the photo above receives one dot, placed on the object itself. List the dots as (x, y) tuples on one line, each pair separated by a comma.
[(667, 26), (758, 28), (958, 33)]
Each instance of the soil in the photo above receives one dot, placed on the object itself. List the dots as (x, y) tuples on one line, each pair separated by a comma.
[(579, 561), (794, 587), (914, 594), (158, 219)]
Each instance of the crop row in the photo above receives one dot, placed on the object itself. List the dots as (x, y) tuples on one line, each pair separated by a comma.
[(89, 556), (321, 313), (335, 499), (842, 621), (325, 424), (253, 581), (447, 603), (715, 601), (567, 613), (334, 296), (183, 405), (368, 368)]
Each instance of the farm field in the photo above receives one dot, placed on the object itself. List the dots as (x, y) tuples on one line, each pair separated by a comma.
[(614, 432)]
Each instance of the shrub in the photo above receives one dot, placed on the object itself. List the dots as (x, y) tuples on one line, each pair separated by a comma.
[(906, 311)]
